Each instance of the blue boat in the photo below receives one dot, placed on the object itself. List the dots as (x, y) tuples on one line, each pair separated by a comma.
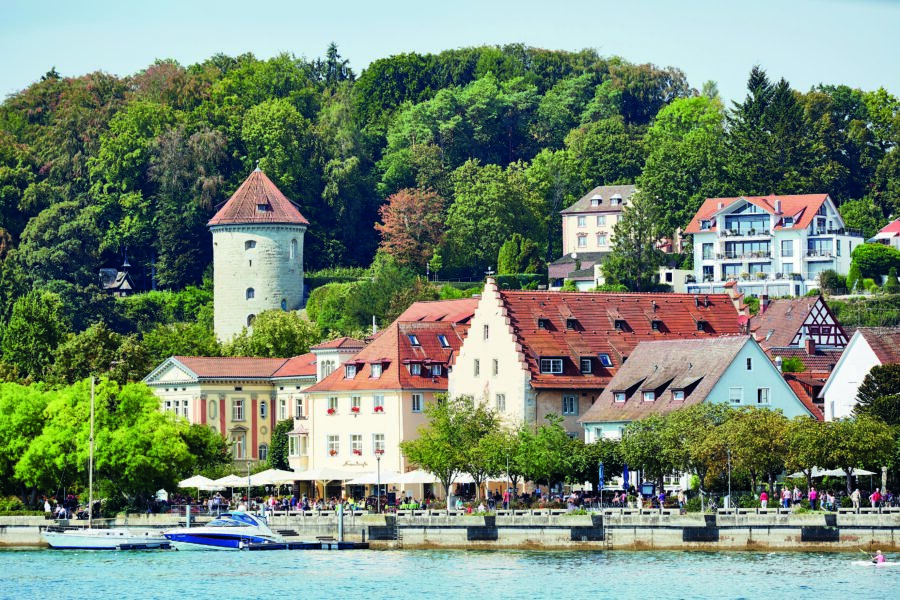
[(229, 531)]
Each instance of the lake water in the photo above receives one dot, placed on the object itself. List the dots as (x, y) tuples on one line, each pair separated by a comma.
[(416, 574)]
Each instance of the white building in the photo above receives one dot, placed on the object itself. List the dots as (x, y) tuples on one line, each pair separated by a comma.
[(869, 347), (257, 255), (775, 245)]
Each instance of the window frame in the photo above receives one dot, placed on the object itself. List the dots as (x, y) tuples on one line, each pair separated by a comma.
[(238, 412), (605, 359), (768, 396), (570, 404), (648, 396), (551, 366), (375, 370), (500, 402), (350, 371), (736, 395), (585, 361), (619, 397), (417, 402), (415, 368)]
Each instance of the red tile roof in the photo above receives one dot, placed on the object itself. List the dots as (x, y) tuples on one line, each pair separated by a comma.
[(807, 389), (450, 311), (890, 230), (884, 341), (343, 343), (821, 361), (395, 351), (801, 207), (229, 367), (258, 201), (594, 329), (298, 366)]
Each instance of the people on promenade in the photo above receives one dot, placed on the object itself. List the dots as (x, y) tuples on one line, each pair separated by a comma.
[(813, 496), (763, 499), (682, 501), (796, 496), (875, 498), (854, 497), (785, 497)]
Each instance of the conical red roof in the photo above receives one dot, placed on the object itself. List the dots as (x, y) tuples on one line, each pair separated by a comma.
[(258, 201)]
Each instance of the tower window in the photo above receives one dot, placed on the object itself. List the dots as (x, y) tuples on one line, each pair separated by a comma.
[(251, 293), (249, 244), (283, 304), (250, 319), (263, 208), (293, 249)]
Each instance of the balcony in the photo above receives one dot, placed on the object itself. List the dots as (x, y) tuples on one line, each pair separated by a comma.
[(745, 233), (819, 255), (738, 256), (813, 231)]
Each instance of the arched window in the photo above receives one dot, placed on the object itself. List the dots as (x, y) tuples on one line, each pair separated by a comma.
[(249, 244), (263, 452), (293, 249), (283, 304), (213, 409), (251, 293), (263, 409), (250, 319)]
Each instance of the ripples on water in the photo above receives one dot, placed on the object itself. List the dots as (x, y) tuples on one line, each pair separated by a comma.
[(412, 575)]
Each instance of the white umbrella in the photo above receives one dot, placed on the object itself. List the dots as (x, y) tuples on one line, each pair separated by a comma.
[(816, 472), (323, 474), (197, 481), (416, 477), (842, 473), (372, 478), (272, 477), (231, 481)]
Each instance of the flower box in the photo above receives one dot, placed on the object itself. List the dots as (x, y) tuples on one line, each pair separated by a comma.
[(379, 409), (354, 409), (331, 411), (332, 452), (357, 452)]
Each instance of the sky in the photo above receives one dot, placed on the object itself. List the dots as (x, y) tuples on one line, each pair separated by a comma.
[(807, 42)]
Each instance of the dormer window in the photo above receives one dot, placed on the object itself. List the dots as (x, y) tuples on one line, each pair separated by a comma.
[(543, 323), (571, 324), (605, 360), (649, 396), (413, 340), (375, 370), (263, 208), (701, 325), (349, 371), (788, 222), (585, 365), (619, 396), (620, 325), (678, 395), (442, 340), (553, 366), (596, 201), (415, 369), (436, 370), (704, 224), (655, 324)]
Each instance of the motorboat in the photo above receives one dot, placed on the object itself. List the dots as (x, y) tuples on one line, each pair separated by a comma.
[(232, 530), (120, 538)]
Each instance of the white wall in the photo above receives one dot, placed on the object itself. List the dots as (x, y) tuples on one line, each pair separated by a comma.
[(841, 388)]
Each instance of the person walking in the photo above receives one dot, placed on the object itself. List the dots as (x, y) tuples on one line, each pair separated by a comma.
[(854, 497), (813, 496), (763, 499)]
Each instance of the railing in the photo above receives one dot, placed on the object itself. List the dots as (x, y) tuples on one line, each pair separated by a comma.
[(742, 255), (842, 231), (745, 233), (819, 254)]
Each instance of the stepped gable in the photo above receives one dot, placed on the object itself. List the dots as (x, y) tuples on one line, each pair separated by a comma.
[(224, 367), (298, 366), (258, 201), (801, 207), (575, 325), (693, 366), (884, 341)]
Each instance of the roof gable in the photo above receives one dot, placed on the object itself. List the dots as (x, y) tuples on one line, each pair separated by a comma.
[(884, 341), (171, 370), (298, 366), (802, 208), (258, 200), (788, 322), (603, 193)]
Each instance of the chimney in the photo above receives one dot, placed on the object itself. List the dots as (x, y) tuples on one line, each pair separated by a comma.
[(721, 205), (778, 362), (810, 346), (777, 206), (763, 303)]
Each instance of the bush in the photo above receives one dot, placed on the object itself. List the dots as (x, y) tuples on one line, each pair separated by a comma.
[(520, 280), (812, 293), (693, 504), (831, 282), (11, 504), (792, 364), (892, 285), (611, 288)]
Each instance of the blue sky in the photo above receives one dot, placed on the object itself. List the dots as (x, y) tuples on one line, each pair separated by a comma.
[(805, 41)]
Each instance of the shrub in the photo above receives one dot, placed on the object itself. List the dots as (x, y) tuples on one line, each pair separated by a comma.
[(892, 285), (831, 282), (693, 504), (792, 364)]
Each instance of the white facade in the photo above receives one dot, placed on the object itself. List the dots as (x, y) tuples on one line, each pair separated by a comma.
[(257, 267), (744, 244), (840, 390)]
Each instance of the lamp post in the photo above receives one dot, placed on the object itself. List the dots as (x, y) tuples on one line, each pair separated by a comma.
[(378, 454), (728, 450), (508, 485)]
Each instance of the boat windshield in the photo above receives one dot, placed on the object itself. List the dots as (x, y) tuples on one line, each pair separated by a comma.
[(234, 520), (225, 523)]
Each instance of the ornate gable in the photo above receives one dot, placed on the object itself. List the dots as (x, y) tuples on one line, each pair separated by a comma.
[(171, 371), (822, 327)]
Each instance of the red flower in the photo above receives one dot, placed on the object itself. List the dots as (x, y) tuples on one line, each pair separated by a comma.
[(354, 409), (332, 452), (357, 452), (379, 409), (331, 411)]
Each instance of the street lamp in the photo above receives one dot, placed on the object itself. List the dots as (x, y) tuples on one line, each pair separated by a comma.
[(728, 450), (508, 485), (378, 454)]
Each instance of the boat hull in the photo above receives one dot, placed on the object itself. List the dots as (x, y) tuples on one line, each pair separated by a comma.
[(105, 539), (192, 541)]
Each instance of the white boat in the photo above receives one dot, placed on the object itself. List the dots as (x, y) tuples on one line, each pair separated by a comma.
[(229, 531), (117, 538)]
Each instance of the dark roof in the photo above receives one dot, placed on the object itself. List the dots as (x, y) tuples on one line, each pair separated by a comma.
[(583, 205), (594, 332), (258, 201), (564, 267), (450, 311), (884, 341), (693, 366), (802, 208)]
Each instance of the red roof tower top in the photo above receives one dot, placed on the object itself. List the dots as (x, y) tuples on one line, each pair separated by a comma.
[(258, 201)]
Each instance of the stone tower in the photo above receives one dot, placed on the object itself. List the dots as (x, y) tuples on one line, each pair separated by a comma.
[(257, 255)]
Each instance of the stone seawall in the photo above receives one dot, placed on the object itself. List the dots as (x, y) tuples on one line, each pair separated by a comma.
[(606, 530)]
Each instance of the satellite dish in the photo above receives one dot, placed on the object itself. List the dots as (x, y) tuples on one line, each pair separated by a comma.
[(574, 255)]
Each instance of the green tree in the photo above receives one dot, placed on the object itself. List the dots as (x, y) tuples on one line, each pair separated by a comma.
[(854, 278), (586, 458), (278, 451), (35, 329), (879, 394), (808, 441), (756, 440), (545, 456), (891, 284), (862, 215), (875, 260), (519, 255), (454, 426), (689, 440), (635, 258), (792, 364), (642, 446), (859, 443), (276, 334), (22, 418), (179, 339), (93, 351)]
